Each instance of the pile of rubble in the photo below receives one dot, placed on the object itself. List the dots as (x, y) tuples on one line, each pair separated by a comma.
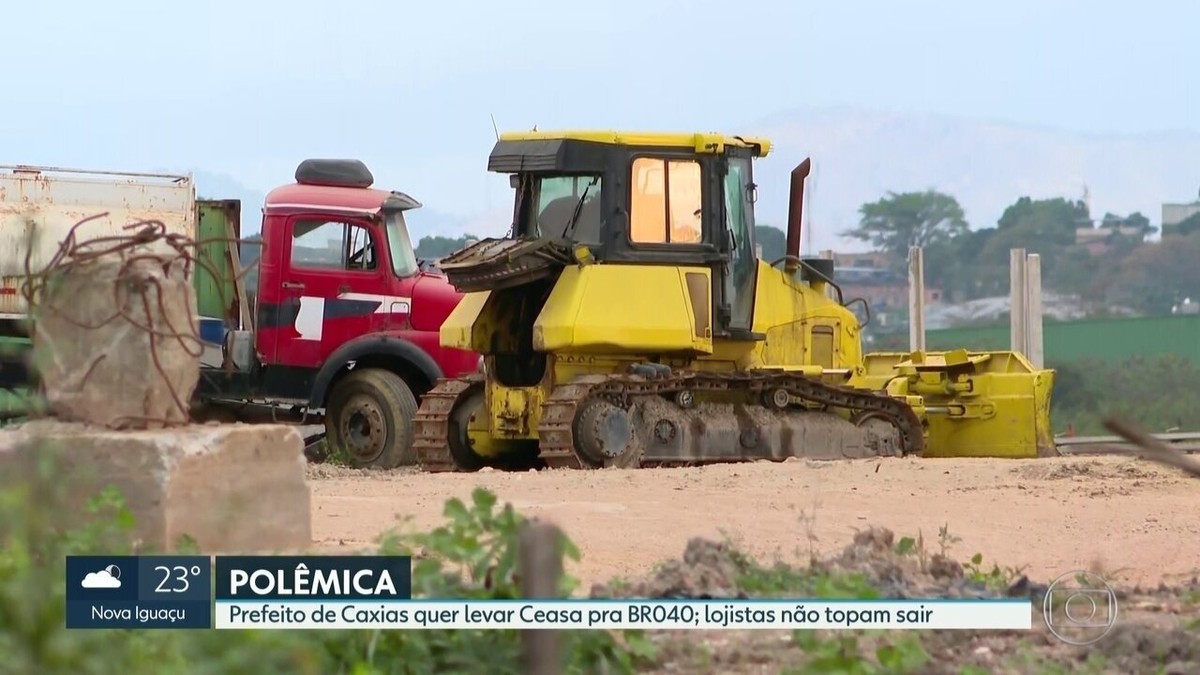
[(1155, 632), (710, 569)]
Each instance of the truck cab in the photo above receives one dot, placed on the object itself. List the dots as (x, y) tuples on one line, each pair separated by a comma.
[(345, 320)]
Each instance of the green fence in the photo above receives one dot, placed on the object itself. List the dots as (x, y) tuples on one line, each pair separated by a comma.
[(1107, 340)]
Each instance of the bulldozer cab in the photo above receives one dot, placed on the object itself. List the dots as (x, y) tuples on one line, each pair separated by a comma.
[(654, 199)]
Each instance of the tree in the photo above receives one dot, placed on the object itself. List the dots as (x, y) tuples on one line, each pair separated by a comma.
[(773, 241), (952, 265), (1044, 221), (1158, 275), (1133, 220), (1186, 226), (440, 247), (1043, 226), (899, 221)]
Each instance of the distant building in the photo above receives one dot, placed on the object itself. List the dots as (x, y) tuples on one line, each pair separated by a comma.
[(869, 276), (870, 259), (1097, 240), (1174, 214), (880, 292)]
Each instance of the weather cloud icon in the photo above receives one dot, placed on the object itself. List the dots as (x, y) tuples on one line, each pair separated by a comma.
[(109, 577)]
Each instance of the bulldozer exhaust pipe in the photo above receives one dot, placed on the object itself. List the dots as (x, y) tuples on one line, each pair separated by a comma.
[(796, 213)]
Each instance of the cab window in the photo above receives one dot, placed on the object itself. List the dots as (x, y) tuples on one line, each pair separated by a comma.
[(332, 245), (569, 207), (666, 201)]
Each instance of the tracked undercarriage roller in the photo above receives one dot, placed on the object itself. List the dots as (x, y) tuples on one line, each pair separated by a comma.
[(451, 432), (630, 422)]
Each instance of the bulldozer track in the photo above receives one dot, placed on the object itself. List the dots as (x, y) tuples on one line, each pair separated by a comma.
[(431, 426), (556, 434)]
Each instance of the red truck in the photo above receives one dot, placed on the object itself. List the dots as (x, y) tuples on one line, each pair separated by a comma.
[(346, 319), (345, 322)]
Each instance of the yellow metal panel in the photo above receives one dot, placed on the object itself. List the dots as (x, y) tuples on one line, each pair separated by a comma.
[(787, 310), (822, 346), (976, 404), (515, 411), (618, 309), (701, 143), (458, 330)]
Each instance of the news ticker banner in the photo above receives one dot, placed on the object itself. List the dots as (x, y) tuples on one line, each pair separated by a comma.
[(375, 592)]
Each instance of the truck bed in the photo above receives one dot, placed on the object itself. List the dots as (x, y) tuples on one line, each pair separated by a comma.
[(40, 205)]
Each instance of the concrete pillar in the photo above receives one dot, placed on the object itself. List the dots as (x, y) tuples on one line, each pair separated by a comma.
[(1033, 310), (1017, 297), (916, 299)]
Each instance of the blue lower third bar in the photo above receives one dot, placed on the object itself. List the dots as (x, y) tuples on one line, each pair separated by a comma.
[(134, 614)]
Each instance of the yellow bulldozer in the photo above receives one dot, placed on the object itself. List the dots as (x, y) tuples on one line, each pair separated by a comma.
[(626, 320)]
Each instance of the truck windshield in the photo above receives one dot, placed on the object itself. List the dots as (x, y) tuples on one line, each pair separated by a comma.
[(404, 259), (568, 207)]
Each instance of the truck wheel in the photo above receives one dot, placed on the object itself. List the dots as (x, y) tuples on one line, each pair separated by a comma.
[(369, 417)]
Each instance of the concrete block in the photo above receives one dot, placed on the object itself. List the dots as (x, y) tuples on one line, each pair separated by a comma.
[(231, 488), (116, 339)]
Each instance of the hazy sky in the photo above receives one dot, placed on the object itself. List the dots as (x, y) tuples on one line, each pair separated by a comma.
[(249, 88)]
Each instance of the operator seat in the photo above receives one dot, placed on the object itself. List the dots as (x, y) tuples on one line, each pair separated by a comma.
[(554, 218), (587, 227)]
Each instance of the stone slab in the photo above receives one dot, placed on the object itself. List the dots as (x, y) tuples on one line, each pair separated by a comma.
[(115, 340), (235, 488)]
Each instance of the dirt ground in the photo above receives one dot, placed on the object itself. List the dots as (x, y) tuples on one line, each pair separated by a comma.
[(1125, 518)]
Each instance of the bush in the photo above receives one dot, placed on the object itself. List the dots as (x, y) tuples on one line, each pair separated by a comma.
[(472, 556), (1157, 393)]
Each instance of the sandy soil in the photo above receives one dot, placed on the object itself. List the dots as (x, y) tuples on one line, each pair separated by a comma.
[(1126, 518)]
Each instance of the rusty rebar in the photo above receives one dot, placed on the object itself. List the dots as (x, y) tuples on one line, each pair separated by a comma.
[(73, 253)]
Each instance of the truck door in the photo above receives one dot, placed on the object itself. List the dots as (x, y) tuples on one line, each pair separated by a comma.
[(335, 270)]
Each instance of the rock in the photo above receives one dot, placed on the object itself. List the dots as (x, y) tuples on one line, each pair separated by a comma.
[(1022, 587), (708, 570), (942, 567), (879, 538), (231, 488), (91, 348)]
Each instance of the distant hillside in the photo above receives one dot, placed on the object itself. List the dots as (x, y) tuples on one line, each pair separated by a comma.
[(859, 155)]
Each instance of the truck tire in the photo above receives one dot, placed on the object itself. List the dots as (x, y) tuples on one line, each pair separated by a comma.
[(369, 418)]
